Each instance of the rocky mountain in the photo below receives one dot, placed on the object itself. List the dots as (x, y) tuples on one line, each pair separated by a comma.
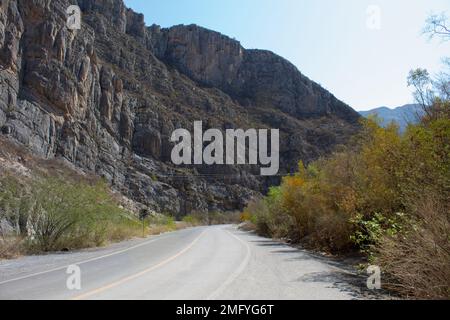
[(401, 115), (107, 97)]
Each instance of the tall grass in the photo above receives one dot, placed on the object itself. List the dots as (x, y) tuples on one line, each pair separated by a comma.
[(416, 262)]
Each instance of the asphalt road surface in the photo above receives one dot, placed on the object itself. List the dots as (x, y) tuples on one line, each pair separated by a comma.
[(218, 262)]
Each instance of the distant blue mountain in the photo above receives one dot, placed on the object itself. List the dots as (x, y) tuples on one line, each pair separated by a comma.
[(401, 115)]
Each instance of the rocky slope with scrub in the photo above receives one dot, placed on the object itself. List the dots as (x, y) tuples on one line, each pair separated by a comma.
[(107, 97)]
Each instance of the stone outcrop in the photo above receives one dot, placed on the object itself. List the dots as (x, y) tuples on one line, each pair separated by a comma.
[(257, 75), (107, 97)]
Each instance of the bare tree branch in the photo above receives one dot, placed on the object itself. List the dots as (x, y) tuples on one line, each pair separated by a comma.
[(438, 25)]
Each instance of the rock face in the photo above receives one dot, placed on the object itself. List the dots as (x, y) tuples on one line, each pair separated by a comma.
[(107, 98)]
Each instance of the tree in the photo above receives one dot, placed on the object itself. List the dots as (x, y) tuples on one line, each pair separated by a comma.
[(420, 79), (442, 82), (438, 25), (433, 92)]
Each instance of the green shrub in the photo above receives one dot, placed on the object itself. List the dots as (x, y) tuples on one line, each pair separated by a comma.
[(164, 220), (53, 213), (192, 220)]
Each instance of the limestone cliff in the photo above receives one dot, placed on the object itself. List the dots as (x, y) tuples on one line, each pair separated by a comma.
[(107, 97)]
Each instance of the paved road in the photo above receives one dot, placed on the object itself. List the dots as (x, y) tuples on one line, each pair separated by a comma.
[(217, 262)]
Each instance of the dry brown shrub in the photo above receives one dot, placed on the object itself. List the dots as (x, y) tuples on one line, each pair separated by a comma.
[(417, 263), (11, 247)]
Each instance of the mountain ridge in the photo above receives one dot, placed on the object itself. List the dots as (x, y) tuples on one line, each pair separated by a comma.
[(402, 115), (106, 98)]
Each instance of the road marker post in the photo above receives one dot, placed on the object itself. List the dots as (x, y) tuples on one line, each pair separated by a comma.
[(143, 214)]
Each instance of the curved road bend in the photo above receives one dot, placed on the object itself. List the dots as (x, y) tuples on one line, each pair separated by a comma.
[(216, 262)]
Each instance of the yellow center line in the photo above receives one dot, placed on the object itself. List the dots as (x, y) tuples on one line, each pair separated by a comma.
[(137, 275)]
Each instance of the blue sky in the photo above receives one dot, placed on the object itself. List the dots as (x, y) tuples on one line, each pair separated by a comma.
[(328, 40)]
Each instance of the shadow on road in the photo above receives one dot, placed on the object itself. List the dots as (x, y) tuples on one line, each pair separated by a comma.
[(341, 273)]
